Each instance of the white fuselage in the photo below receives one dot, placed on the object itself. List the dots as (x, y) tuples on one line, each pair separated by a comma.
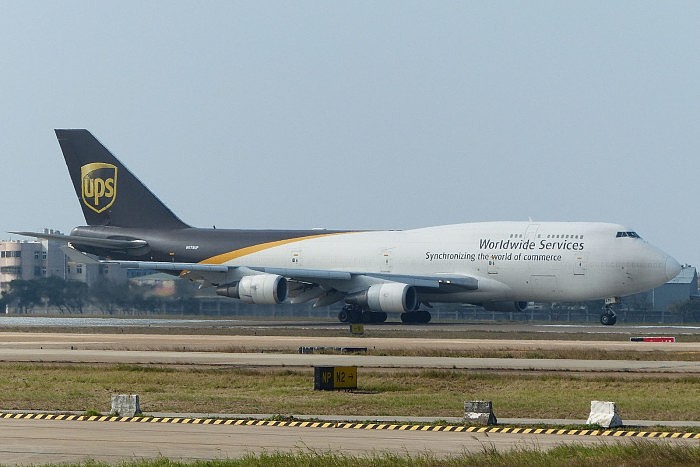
[(522, 261)]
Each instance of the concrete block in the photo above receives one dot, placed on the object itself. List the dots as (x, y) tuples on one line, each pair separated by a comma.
[(125, 405), (479, 413), (604, 414)]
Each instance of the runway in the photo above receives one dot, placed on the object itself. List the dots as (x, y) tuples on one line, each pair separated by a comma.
[(41, 441), (250, 359), (286, 343), (154, 324), (277, 351)]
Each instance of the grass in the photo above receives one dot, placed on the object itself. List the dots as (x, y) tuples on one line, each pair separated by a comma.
[(381, 392), (636, 453)]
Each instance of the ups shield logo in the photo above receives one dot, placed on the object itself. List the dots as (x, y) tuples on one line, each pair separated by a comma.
[(98, 185)]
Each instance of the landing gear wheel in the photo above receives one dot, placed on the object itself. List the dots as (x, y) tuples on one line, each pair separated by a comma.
[(350, 314), (373, 317), (608, 318), (416, 317)]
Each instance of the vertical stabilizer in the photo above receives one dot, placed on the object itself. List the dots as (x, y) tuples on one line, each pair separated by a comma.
[(108, 192)]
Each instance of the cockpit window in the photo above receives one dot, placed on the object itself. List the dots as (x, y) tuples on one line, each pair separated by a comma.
[(628, 234)]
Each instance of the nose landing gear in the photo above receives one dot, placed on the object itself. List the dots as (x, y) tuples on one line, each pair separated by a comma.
[(608, 318)]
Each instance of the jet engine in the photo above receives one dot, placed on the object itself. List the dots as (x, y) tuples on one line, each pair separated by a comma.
[(518, 307), (391, 296), (261, 289)]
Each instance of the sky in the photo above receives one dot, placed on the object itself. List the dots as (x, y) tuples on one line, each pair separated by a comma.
[(362, 115)]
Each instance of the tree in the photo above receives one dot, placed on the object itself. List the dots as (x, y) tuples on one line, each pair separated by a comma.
[(4, 300), (26, 294), (52, 291), (108, 296), (75, 296)]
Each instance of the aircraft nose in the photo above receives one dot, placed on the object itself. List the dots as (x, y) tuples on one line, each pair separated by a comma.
[(672, 268)]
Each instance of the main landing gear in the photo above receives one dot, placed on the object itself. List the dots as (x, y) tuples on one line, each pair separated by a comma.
[(608, 318), (416, 317), (355, 314)]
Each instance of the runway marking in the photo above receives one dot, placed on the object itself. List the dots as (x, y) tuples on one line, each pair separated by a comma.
[(349, 425)]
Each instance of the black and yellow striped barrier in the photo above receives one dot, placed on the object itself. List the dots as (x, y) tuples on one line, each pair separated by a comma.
[(353, 425)]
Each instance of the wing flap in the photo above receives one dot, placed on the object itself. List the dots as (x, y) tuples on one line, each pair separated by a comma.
[(430, 281), (302, 274)]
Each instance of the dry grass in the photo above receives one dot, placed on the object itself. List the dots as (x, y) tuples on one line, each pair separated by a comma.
[(381, 392)]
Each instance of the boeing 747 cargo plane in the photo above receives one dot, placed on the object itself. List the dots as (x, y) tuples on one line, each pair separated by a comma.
[(498, 265)]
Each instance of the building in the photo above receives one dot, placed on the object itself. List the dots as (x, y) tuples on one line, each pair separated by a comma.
[(29, 260), (680, 289), (21, 260)]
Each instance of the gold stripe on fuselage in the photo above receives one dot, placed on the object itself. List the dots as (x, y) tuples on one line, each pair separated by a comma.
[(231, 255)]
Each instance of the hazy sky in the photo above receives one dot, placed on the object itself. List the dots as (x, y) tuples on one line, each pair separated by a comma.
[(362, 114)]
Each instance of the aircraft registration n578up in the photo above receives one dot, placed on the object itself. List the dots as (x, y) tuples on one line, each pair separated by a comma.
[(499, 265)]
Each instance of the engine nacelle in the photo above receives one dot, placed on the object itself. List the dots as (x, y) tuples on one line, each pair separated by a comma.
[(518, 307), (262, 289), (392, 296)]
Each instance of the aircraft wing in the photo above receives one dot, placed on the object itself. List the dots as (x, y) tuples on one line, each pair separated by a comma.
[(324, 285), (312, 276), (431, 281)]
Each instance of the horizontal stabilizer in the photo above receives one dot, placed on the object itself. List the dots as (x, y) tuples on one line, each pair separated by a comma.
[(110, 243)]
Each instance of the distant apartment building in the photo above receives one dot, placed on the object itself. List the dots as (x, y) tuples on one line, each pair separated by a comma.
[(29, 260), (21, 260)]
